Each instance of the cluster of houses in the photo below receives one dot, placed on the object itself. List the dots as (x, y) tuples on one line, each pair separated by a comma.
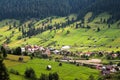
[(35, 48), (108, 69), (105, 69)]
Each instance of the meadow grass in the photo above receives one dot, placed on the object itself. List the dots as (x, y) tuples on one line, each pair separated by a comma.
[(66, 72), (81, 36)]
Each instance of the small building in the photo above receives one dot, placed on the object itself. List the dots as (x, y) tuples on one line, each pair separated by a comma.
[(65, 48), (47, 52), (22, 49), (56, 52)]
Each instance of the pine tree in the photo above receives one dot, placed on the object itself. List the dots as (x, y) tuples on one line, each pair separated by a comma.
[(3, 71), (4, 52)]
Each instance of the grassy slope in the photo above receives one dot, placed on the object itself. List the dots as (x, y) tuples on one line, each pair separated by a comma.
[(107, 37), (66, 72), (80, 36)]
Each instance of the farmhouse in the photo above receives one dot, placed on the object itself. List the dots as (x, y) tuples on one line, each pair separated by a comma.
[(34, 48)]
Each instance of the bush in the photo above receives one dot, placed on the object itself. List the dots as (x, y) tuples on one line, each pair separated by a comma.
[(109, 57), (55, 76), (51, 76), (45, 56), (14, 72), (110, 63), (60, 64), (17, 51), (20, 59), (44, 77), (77, 64), (30, 73)]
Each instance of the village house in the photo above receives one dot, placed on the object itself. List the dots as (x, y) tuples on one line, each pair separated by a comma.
[(34, 48)]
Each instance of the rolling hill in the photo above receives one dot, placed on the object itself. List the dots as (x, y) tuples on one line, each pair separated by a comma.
[(95, 26)]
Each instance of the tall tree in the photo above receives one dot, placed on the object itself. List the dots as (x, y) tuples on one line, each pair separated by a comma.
[(3, 71)]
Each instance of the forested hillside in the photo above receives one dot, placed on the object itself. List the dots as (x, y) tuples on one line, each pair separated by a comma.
[(25, 9), (110, 6)]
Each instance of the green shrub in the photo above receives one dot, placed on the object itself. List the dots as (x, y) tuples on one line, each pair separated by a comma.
[(44, 77), (30, 73), (14, 72), (51, 76)]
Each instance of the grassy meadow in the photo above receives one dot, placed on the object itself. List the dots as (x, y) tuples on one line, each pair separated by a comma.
[(79, 39), (66, 71)]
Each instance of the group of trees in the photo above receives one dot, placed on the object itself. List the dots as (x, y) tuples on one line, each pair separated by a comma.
[(33, 31), (41, 9), (30, 74), (110, 6)]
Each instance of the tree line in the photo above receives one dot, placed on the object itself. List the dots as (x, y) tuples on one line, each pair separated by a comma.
[(25, 9)]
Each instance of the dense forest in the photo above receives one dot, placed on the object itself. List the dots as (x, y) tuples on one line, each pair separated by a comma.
[(25, 9), (110, 6)]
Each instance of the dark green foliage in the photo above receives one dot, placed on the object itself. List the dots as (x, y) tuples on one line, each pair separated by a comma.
[(8, 40), (10, 27), (26, 9), (98, 29), (118, 64), (109, 57), (17, 51), (30, 73), (68, 32), (60, 64), (19, 37), (100, 6), (111, 63), (4, 52), (109, 26), (45, 8), (88, 27), (14, 72), (45, 56), (51, 76), (20, 59), (55, 76), (44, 77), (3, 71)]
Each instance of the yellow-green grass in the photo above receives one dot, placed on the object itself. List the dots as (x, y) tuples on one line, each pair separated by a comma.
[(76, 36), (16, 43), (103, 16), (17, 77), (12, 60), (10, 63), (80, 37), (15, 58)]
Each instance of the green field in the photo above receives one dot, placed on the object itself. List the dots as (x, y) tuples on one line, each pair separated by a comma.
[(66, 72)]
